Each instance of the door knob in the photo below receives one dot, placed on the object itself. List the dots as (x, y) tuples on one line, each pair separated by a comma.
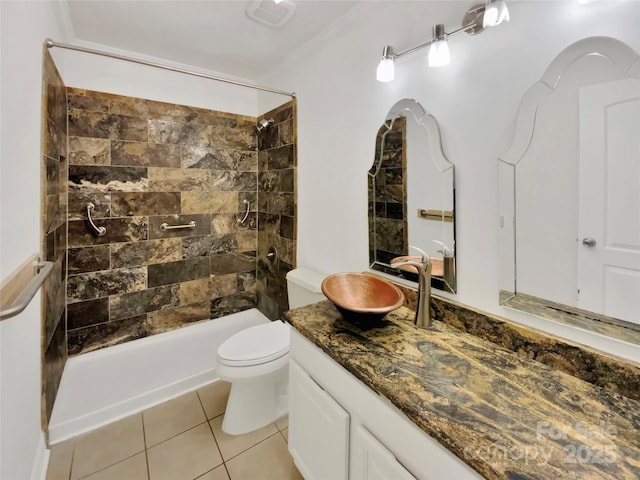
[(589, 242)]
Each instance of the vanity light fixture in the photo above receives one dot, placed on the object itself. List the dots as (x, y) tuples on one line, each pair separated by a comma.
[(475, 20)]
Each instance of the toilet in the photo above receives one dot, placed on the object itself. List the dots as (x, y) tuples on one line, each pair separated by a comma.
[(256, 362)]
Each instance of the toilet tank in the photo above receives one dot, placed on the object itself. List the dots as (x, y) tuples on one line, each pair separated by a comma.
[(303, 286)]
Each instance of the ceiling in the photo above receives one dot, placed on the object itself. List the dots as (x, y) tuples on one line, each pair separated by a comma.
[(215, 35)]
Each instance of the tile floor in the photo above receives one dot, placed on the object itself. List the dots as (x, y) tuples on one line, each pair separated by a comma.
[(181, 439)]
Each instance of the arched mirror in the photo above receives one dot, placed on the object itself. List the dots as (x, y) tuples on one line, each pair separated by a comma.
[(570, 193), (412, 196)]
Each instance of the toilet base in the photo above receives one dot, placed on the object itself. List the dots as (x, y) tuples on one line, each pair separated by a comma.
[(256, 402)]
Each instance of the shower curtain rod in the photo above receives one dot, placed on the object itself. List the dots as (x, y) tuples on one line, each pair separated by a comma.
[(50, 43)]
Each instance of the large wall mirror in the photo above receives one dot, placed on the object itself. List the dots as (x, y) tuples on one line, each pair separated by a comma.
[(570, 193), (412, 196)]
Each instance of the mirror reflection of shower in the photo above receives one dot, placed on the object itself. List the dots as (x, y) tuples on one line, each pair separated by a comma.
[(262, 124)]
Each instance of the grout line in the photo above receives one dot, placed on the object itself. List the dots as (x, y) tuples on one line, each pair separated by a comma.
[(113, 464), (208, 471), (276, 423), (146, 453), (254, 445), (73, 455), (227, 469), (177, 434), (218, 447), (202, 405)]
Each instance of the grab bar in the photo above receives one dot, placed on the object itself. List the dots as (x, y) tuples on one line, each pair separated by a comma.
[(100, 231), (43, 269), (246, 214), (440, 215), (165, 226)]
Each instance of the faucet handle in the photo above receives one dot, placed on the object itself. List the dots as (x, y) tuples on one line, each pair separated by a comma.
[(425, 258)]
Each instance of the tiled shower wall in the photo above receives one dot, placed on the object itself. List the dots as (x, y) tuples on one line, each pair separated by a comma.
[(276, 208), (54, 231), (142, 164)]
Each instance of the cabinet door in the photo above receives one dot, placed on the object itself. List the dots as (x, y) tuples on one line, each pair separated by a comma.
[(374, 461), (318, 429)]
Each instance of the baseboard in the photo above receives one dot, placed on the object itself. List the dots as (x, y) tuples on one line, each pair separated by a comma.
[(40, 460)]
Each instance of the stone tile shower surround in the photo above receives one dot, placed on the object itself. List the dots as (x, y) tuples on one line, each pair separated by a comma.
[(54, 231), (277, 168), (144, 163)]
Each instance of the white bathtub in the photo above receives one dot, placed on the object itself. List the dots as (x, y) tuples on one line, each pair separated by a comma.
[(105, 385)]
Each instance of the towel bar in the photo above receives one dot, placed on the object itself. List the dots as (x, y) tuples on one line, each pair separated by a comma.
[(165, 226), (18, 279)]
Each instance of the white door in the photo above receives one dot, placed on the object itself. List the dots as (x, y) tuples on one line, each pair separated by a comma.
[(318, 429), (609, 199)]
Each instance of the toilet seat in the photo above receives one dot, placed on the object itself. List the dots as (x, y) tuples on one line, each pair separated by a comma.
[(255, 345)]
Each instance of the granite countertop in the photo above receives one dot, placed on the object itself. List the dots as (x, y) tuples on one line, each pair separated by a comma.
[(505, 415)]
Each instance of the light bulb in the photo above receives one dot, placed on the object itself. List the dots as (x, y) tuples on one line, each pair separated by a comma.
[(439, 53), (386, 67), (495, 12), (386, 70)]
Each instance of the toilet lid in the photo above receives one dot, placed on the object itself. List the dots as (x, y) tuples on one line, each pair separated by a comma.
[(256, 345)]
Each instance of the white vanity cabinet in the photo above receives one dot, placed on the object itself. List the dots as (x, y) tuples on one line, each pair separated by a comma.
[(341, 429), (319, 436)]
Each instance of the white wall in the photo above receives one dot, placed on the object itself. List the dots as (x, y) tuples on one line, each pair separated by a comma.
[(103, 74), (25, 25), (475, 99)]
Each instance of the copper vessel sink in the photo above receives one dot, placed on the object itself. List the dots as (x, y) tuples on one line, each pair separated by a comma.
[(361, 296), (437, 264)]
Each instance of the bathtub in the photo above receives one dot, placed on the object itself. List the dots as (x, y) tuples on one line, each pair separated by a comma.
[(108, 384)]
